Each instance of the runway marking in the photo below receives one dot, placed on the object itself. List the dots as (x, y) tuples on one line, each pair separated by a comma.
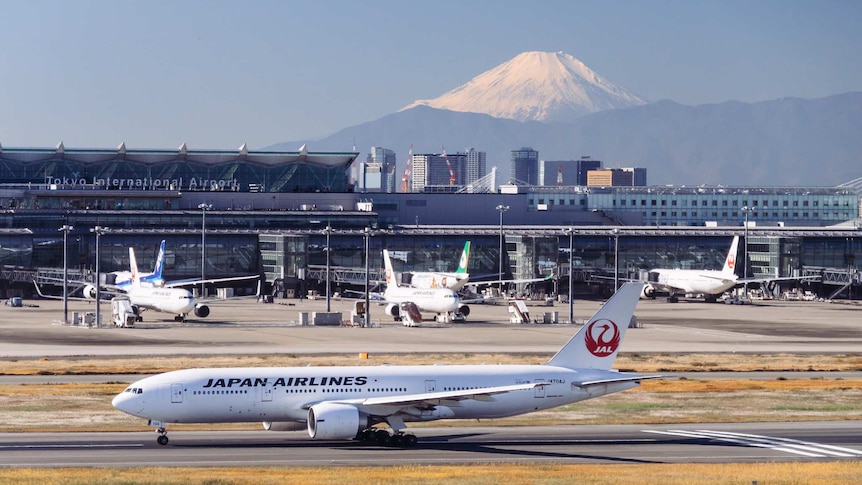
[(85, 445), (787, 445)]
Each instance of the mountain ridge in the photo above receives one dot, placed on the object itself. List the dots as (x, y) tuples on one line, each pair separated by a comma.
[(782, 142)]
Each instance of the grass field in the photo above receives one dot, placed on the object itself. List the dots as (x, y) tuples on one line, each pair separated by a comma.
[(86, 407)]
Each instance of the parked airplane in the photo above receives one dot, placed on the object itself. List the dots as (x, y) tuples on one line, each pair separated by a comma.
[(442, 301), (150, 291), (453, 281), (709, 283), (178, 301), (342, 403)]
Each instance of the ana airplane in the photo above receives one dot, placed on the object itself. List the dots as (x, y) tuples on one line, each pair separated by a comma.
[(454, 281), (177, 301), (442, 301), (342, 403)]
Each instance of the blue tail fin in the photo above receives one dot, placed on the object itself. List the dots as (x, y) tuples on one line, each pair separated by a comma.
[(160, 262)]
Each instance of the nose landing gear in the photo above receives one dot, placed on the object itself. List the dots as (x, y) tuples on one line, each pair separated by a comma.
[(163, 436)]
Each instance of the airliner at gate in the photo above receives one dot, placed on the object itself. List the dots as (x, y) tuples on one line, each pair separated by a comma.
[(342, 403)]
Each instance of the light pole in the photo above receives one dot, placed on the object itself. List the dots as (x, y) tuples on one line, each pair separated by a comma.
[(367, 297), (501, 208), (98, 231), (66, 228), (616, 259), (327, 231), (204, 207), (745, 210), (571, 272)]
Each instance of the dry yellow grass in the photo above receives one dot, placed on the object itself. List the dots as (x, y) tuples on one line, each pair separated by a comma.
[(634, 362), (834, 473)]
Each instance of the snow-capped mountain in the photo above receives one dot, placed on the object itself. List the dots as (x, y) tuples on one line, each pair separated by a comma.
[(536, 86)]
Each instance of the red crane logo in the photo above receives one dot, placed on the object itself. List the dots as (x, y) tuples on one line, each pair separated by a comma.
[(603, 337)]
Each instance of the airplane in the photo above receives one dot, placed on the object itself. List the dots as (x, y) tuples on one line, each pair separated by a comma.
[(454, 281), (344, 403), (178, 301), (442, 301), (710, 283), (150, 291)]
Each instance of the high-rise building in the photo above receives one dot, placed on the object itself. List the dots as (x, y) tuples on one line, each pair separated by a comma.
[(474, 166), (585, 164), (377, 173), (525, 166), (436, 172), (638, 176)]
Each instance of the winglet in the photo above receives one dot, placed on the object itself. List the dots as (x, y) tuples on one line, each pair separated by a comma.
[(730, 260), (595, 346), (391, 280), (465, 259)]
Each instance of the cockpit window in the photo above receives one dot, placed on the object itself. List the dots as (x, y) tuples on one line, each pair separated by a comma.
[(134, 390)]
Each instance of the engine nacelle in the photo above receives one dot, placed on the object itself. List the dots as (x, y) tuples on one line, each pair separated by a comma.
[(648, 292), (284, 426), (464, 310), (392, 310), (335, 421), (89, 292), (202, 311)]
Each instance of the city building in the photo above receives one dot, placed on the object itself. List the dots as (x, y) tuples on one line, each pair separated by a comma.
[(474, 166), (377, 173), (525, 166)]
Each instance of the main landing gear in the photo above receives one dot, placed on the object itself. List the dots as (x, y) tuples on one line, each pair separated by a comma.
[(383, 437), (163, 436)]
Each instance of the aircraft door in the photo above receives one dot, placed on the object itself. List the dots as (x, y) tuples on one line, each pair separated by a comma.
[(176, 393), (430, 386), (539, 391), (266, 394)]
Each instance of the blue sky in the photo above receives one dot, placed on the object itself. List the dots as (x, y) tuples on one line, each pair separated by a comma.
[(217, 74)]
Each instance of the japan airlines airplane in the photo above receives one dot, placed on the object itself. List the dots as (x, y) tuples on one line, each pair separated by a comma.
[(342, 403), (442, 301), (694, 281), (454, 281)]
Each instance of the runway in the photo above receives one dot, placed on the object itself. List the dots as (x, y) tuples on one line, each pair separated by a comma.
[(633, 444)]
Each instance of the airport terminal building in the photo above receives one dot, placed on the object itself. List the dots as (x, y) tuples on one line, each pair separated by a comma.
[(267, 213)]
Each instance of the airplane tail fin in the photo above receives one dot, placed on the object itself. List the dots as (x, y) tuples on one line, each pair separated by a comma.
[(391, 280), (596, 345), (133, 266), (730, 260), (465, 259), (160, 262)]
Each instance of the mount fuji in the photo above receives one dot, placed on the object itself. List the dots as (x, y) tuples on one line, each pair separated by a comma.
[(535, 86), (556, 105)]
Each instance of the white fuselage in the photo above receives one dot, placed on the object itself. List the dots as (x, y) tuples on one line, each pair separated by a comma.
[(169, 300), (283, 394), (437, 300), (452, 281), (703, 282)]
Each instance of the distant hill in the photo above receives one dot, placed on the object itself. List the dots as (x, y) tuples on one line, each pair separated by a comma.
[(784, 142)]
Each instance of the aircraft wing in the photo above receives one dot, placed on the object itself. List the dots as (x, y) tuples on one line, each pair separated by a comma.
[(193, 282), (514, 281), (384, 406), (77, 286), (611, 380)]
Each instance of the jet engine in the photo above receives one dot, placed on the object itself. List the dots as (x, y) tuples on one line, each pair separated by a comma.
[(392, 310), (89, 292), (335, 421), (202, 311), (648, 292), (464, 310), (284, 426)]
